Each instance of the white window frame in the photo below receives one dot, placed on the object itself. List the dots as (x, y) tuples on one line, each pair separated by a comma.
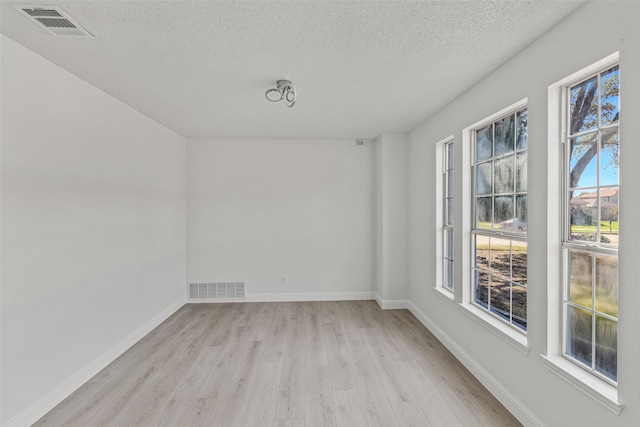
[(441, 215), (598, 389), (594, 248), (516, 337)]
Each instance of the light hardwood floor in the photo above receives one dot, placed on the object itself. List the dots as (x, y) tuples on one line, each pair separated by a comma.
[(302, 364)]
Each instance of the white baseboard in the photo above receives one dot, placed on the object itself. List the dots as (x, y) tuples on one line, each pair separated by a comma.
[(514, 405), (288, 297), (391, 304), (312, 296), (50, 400)]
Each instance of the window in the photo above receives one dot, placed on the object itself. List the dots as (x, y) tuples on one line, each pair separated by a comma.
[(582, 231), (444, 217), (447, 216), (499, 227), (590, 219)]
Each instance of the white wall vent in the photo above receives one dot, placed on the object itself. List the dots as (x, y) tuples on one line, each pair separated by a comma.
[(53, 20), (216, 291), (361, 142)]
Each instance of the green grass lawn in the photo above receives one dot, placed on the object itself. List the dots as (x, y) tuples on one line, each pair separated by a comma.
[(517, 247), (603, 305), (605, 227)]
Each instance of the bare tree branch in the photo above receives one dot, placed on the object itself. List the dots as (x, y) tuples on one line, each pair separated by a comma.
[(582, 106)]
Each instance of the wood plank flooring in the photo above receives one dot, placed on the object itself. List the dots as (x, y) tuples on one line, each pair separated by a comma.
[(302, 364)]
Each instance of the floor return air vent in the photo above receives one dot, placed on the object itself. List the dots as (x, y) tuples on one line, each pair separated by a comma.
[(216, 291)]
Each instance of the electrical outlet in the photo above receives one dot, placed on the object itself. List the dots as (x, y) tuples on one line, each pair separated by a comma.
[(284, 280)]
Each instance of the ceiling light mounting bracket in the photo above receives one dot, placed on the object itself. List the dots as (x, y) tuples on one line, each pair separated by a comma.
[(284, 91)]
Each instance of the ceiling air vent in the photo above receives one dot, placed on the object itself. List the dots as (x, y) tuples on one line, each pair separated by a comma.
[(53, 20)]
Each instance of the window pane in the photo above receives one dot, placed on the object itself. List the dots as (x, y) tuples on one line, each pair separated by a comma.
[(449, 183), (519, 306), (483, 178), (500, 253), (481, 289), (503, 175), (609, 216), (450, 156), (584, 105), (583, 215), (482, 252), (504, 137), (609, 98), (583, 163), (500, 298), (607, 284), (448, 274), (448, 243), (484, 213), (450, 211), (484, 143), (519, 262), (607, 347), (504, 214), (521, 172), (521, 123), (580, 278), (579, 335), (521, 224), (609, 157)]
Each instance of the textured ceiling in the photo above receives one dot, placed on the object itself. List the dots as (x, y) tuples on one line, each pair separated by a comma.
[(360, 68)]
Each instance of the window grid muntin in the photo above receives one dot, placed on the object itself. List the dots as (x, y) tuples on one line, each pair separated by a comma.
[(593, 312), (492, 233), (591, 247), (447, 261), (489, 272), (598, 132), (447, 273), (492, 160), (446, 170)]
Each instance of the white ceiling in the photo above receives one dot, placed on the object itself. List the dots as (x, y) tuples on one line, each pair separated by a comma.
[(361, 68)]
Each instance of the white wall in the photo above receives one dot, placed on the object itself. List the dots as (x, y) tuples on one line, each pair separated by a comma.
[(93, 229), (592, 33), (391, 281), (262, 209)]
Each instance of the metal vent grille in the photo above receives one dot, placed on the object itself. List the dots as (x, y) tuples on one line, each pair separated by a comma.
[(41, 12), (54, 21), (227, 290)]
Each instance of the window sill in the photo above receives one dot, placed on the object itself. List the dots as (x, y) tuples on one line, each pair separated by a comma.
[(501, 330), (444, 293), (598, 390)]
